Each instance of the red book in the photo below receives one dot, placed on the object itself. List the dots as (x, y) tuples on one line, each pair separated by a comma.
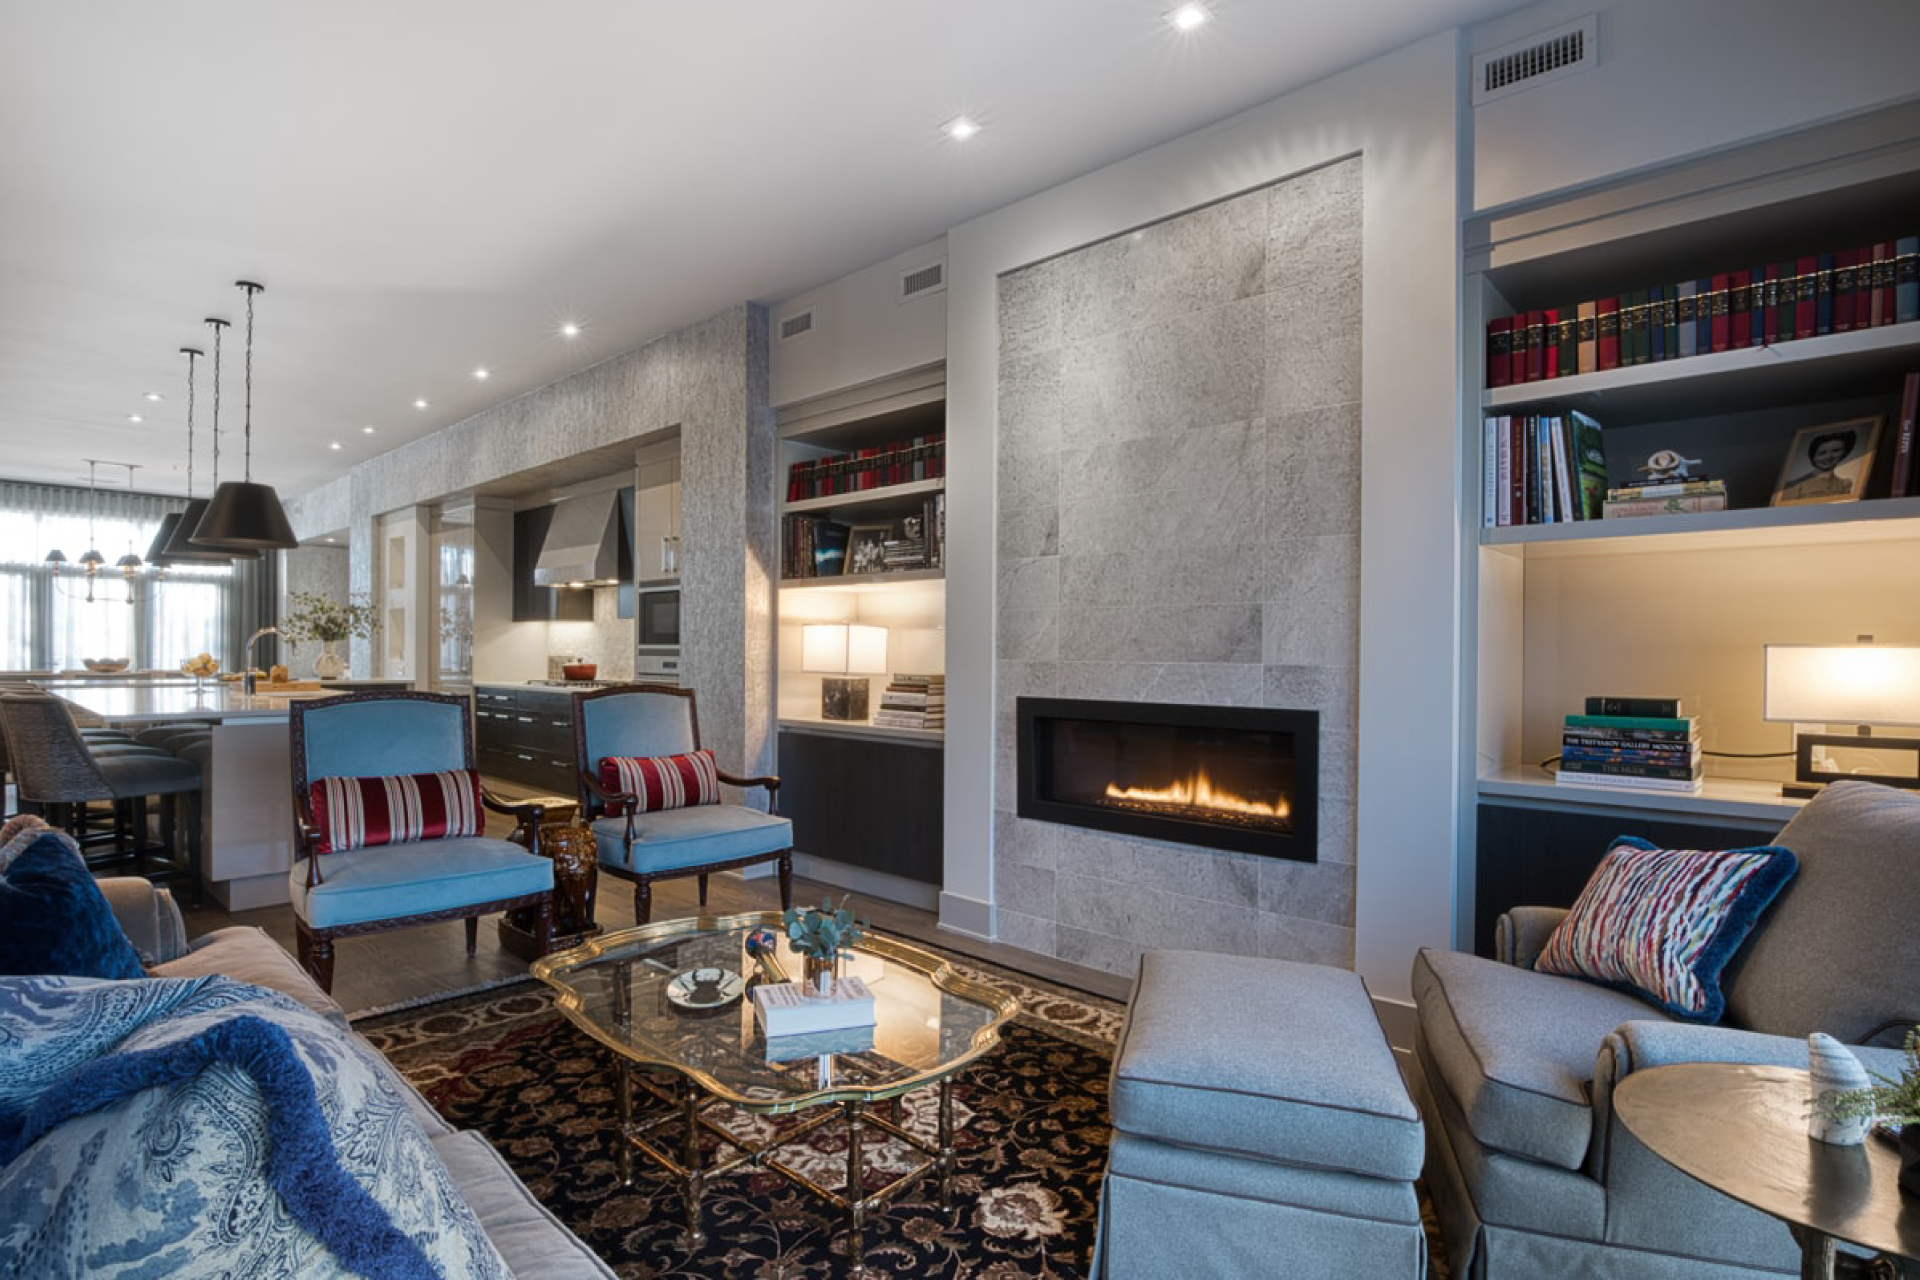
[(1606, 319), (1550, 343), (1770, 301), (1517, 474), (1500, 352), (1805, 317), (1722, 286), (1903, 439), (1883, 260), (1534, 366), (1739, 309), (1844, 293)]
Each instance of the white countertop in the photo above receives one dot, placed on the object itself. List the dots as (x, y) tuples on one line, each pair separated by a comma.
[(148, 702)]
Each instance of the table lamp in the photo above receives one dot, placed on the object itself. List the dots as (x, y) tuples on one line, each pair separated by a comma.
[(845, 654), (1865, 684)]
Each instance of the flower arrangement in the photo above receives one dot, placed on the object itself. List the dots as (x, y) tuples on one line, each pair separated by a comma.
[(314, 617), (823, 933), (1890, 1101)]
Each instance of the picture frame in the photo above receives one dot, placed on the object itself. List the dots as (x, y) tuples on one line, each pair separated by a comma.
[(867, 548), (1816, 471)]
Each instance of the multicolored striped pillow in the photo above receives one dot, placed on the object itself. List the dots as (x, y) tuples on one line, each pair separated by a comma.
[(1663, 923), (354, 813), (661, 782)]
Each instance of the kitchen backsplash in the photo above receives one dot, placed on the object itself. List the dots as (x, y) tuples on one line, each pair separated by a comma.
[(607, 641)]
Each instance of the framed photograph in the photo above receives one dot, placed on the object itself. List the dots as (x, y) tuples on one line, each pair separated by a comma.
[(1828, 463), (867, 548)]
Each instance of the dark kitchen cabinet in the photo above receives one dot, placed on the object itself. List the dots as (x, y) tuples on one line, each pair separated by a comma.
[(525, 735), (531, 602)]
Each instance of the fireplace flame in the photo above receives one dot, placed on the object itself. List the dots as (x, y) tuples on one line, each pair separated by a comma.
[(1197, 792)]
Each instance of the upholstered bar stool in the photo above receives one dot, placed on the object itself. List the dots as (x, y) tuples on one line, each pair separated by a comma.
[(55, 767)]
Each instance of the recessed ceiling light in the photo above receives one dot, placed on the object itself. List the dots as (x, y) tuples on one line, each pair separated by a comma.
[(483, 373), (154, 397), (960, 128), (134, 417), (330, 539), (367, 430), (334, 445), (419, 404), (1188, 16), (569, 330)]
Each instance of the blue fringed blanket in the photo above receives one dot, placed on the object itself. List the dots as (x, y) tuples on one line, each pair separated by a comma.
[(202, 1126)]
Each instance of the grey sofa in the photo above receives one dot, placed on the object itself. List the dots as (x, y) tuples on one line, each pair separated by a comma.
[(531, 1240), (1530, 1172)]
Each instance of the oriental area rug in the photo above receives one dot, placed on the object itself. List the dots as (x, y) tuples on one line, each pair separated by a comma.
[(1030, 1121)]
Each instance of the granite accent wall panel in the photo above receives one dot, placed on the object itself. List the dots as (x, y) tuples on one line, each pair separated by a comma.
[(1178, 495)]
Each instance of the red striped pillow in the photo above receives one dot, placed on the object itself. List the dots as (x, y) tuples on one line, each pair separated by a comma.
[(354, 813), (661, 782)]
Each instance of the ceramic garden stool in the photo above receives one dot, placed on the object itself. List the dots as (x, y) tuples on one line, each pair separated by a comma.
[(1260, 1127)]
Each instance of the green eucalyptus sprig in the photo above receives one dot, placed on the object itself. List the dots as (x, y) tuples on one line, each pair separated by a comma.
[(1891, 1101), (824, 932), (314, 617)]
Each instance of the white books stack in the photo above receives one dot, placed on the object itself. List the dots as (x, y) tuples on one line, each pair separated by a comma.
[(783, 1009), (913, 702)]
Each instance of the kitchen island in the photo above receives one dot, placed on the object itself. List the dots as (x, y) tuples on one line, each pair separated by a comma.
[(246, 795)]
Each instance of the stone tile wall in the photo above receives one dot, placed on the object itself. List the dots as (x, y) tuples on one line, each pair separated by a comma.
[(1179, 497)]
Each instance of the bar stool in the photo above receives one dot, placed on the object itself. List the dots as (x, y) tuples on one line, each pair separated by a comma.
[(54, 766)]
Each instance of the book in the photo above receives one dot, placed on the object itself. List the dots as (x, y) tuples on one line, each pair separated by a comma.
[(1666, 757), (1670, 739), (783, 1010), (1668, 489), (1878, 286), (1613, 705), (1536, 350), (1630, 769), (1844, 294), (1906, 279), (912, 698), (815, 1044), (1806, 279), (1500, 352), (1686, 328), (1590, 449), (829, 548), (1681, 724), (1903, 442), (1565, 483), (1739, 309), (1822, 294), (1606, 341), (1586, 358), (1718, 312), (1566, 778), (1768, 306), (1656, 323), (1682, 504), (1633, 327), (1566, 357)]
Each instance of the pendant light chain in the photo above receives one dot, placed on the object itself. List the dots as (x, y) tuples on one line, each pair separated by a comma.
[(191, 354), (218, 327), (251, 290)]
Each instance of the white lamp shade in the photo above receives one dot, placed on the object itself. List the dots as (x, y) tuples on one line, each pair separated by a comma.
[(837, 648), (1843, 683)]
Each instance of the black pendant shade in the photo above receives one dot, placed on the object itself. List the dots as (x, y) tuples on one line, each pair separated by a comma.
[(157, 553), (181, 547), (243, 516)]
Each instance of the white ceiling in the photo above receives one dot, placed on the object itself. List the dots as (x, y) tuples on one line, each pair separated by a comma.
[(432, 185)]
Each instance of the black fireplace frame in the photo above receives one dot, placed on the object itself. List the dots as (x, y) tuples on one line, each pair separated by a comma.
[(1300, 845)]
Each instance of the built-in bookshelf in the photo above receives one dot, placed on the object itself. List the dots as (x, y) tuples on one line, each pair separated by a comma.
[(1681, 604)]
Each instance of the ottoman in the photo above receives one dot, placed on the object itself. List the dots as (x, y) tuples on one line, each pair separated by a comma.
[(1260, 1128)]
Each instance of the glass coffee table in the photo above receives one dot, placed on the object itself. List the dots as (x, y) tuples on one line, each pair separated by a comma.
[(695, 1045)]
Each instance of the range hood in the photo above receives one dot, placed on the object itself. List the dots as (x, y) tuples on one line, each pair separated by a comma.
[(586, 544)]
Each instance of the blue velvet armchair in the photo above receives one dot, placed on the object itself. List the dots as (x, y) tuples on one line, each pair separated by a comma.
[(405, 882), (642, 721)]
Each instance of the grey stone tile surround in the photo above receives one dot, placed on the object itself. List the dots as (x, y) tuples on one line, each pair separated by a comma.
[(1178, 495)]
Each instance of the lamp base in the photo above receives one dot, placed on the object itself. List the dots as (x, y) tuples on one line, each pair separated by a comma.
[(1874, 767), (843, 698)]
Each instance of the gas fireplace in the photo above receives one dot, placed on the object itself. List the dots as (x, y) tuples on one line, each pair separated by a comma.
[(1242, 778)]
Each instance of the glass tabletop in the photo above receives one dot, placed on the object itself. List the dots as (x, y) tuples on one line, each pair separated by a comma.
[(929, 1019)]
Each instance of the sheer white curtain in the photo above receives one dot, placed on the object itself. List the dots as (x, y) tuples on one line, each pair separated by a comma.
[(54, 620)]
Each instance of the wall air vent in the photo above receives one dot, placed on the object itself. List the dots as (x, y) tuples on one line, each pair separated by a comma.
[(931, 278), (796, 324), (1537, 60)]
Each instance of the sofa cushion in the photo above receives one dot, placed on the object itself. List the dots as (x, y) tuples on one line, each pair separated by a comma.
[(355, 813), (246, 954), (534, 1243), (1839, 952), (54, 919), (1662, 923), (415, 879), (203, 1127), (661, 782), (1266, 1058), (675, 838), (1516, 1049)]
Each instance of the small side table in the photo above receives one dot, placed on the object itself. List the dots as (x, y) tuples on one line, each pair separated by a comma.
[(1742, 1130), (576, 878)]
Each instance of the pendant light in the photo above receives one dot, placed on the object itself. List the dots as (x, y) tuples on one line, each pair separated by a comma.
[(242, 515), (159, 554), (129, 564), (180, 544)]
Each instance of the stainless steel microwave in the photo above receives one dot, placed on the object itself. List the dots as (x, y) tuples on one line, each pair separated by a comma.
[(657, 617)]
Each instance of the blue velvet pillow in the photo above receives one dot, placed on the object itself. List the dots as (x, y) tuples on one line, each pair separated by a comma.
[(55, 920)]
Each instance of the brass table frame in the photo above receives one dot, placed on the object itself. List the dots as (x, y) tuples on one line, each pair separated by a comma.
[(689, 1092)]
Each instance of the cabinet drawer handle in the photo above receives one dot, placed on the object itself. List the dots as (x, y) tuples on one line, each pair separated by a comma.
[(524, 719)]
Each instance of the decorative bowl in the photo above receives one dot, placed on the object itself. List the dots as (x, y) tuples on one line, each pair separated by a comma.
[(580, 670), (106, 665)]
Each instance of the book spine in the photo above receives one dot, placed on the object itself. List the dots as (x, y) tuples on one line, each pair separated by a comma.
[(1578, 753), (1721, 319), (1844, 293), (1489, 473), (1903, 442), (1739, 309), (1770, 305), (1569, 355), (1606, 318), (1670, 321), (1883, 304), (1586, 358), (1680, 744), (1906, 280), (1501, 499), (1686, 325), (1671, 724), (1517, 471), (1668, 489), (1665, 506), (1806, 297), (1563, 468), (1536, 350), (1613, 705), (1624, 769), (1550, 342), (1500, 352), (1633, 327), (1575, 779), (1590, 444), (1822, 294), (1656, 325)]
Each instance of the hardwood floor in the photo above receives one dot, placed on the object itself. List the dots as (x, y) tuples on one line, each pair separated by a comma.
[(411, 964)]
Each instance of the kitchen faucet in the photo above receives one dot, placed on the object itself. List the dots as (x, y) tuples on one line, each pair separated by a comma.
[(246, 659)]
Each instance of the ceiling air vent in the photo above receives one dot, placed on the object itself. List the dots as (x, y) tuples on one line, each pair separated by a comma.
[(796, 324), (1537, 60), (931, 278)]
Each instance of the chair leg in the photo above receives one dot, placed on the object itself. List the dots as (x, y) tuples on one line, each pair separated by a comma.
[(786, 880), (473, 935), (703, 888), (642, 901), (316, 956)]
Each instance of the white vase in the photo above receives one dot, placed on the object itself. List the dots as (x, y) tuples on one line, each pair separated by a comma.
[(329, 666)]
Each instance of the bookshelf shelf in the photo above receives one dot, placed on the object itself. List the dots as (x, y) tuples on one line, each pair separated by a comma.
[(862, 581), (865, 498), (1754, 528), (1738, 798)]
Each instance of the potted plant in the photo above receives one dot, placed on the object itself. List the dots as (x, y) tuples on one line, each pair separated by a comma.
[(822, 935), (315, 617), (1893, 1102)]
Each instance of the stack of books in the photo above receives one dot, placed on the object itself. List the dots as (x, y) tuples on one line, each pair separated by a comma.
[(914, 702), (1666, 497), (1660, 753), (1546, 468)]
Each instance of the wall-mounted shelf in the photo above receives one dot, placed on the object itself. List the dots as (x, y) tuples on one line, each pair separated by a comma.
[(862, 498)]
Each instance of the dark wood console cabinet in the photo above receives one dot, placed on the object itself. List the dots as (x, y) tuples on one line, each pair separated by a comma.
[(866, 802)]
